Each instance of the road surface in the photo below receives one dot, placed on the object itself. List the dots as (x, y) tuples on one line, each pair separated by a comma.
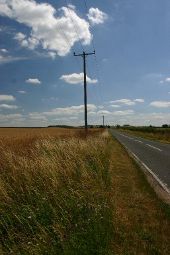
[(155, 156)]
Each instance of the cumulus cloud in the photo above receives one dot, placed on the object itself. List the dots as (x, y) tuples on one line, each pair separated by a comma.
[(96, 16), (8, 106), (76, 78), (54, 30), (33, 81), (160, 104), (7, 98), (28, 42), (72, 110)]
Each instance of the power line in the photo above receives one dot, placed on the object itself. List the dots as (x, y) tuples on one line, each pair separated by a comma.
[(84, 55), (76, 31)]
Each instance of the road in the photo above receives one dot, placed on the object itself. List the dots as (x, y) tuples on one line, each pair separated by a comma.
[(155, 156)]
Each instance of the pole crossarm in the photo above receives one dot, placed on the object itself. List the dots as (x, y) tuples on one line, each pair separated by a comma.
[(84, 54)]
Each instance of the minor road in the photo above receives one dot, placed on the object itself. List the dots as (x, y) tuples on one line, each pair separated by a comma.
[(155, 156)]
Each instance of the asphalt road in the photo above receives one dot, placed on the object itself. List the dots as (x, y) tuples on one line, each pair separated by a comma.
[(154, 155)]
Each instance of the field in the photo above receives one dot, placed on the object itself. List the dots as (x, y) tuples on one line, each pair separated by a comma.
[(153, 133), (65, 193)]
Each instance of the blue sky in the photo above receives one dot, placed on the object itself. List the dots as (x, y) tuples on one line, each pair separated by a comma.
[(41, 80)]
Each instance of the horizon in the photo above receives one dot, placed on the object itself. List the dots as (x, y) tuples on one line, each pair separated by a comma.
[(128, 80)]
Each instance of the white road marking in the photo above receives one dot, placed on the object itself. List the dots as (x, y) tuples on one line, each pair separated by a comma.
[(163, 185), (138, 141), (127, 137), (153, 147), (132, 138)]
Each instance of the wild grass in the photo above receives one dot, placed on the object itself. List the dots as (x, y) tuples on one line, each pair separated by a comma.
[(55, 199), (77, 195)]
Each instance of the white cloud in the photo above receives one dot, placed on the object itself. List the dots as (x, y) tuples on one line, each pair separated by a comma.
[(115, 106), (9, 117), (7, 98), (96, 16), (123, 113), (19, 36), (7, 58), (124, 101), (55, 31), (160, 104), (8, 107), (28, 42), (33, 81), (167, 79), (3, 50), (101, 106), (37, 116), (76, 78), (103, 112), (71, 110), (22, 91), (52, 54), (139, 100)]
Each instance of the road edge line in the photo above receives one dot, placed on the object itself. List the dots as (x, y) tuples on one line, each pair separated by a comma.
[(163, 192), (152, 173)]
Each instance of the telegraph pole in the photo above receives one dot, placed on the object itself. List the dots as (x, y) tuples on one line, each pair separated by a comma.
[(84, 54), (103, 120)]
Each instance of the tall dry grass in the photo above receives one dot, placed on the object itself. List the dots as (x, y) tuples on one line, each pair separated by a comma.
[(55, 196)]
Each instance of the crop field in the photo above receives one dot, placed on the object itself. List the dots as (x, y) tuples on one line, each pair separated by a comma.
[(153, 133), (62, 192)]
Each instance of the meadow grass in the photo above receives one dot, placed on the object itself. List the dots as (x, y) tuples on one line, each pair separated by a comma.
[(55, 196), (75, 195)]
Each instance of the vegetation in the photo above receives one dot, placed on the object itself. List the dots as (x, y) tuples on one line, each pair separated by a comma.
[(161, 134), (55, 196), (68, 194)]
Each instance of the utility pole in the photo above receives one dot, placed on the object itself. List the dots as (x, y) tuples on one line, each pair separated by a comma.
[(84, 54), (103, 120)]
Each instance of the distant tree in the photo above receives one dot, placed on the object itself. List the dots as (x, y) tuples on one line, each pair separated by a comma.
[(165, 126)]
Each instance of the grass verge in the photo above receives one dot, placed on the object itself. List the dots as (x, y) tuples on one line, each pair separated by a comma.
[(161, 135), (78, 196)]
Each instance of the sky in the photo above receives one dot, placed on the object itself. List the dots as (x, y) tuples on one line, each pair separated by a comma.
[(128, 79)]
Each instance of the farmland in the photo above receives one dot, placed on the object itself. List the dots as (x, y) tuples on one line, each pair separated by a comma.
[(63, 192)]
